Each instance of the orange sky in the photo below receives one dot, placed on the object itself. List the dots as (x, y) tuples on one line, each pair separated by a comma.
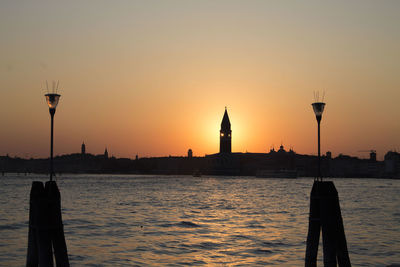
[(153, 77)]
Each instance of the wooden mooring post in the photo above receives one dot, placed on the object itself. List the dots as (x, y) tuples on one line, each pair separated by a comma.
[(325, 216), (46, 230)]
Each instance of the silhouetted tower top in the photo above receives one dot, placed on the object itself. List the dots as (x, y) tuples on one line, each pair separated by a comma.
[(225, 124), (328, 155), (372, 155), (190, 153), (83, 148), (106, 154), (281, 149), (225, 135)]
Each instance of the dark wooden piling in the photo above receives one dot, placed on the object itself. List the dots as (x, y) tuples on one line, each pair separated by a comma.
[(56, 225), (328, 196), (37, 190), (42, 219), (341, 244), (325, 215), (40, 252), (45, 227), (314, 229)]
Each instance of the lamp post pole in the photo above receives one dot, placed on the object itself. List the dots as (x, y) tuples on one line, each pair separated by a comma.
[(52, 101), (318, 110), (319, 147), (52, 112)]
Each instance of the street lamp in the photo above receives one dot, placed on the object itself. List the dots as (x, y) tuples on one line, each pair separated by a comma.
[(52, 101), (325, 215), (318, 110)]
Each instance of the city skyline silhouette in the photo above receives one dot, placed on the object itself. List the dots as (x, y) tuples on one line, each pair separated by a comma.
[(155, 85), (207, 133)]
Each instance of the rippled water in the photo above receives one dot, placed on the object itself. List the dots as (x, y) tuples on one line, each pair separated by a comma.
[(121, 220)]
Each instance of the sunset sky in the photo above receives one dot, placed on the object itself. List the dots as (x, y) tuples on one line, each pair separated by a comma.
[(153, 77)]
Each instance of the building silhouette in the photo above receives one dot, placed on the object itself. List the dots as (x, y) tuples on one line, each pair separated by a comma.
[(225, 135), (392, 164), (328, 155), (281, 149), (83, 149), (280, 163), (372, 155)]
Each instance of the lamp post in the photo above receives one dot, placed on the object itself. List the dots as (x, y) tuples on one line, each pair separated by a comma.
[(318, 110), (46, 231), (325, 215), (52, 101)]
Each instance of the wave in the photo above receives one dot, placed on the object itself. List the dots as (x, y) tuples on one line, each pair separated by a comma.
[(13, 226), (184, 224)]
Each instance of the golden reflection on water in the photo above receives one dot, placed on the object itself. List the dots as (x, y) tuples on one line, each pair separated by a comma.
[(219, 227), (182, 221)]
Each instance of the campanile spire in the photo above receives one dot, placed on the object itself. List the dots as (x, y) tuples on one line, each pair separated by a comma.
[(225, 135)]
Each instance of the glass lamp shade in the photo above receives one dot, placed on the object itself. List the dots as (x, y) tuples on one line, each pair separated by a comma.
[(52, 100), (318, 108)]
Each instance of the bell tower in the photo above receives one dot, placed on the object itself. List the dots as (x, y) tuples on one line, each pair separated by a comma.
[(225, 135)]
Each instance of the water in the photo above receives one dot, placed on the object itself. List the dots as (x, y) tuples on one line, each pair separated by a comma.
[(129, 220)]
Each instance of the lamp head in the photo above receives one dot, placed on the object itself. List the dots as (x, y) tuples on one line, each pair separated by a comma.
[(52, 100), (318, 109)]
